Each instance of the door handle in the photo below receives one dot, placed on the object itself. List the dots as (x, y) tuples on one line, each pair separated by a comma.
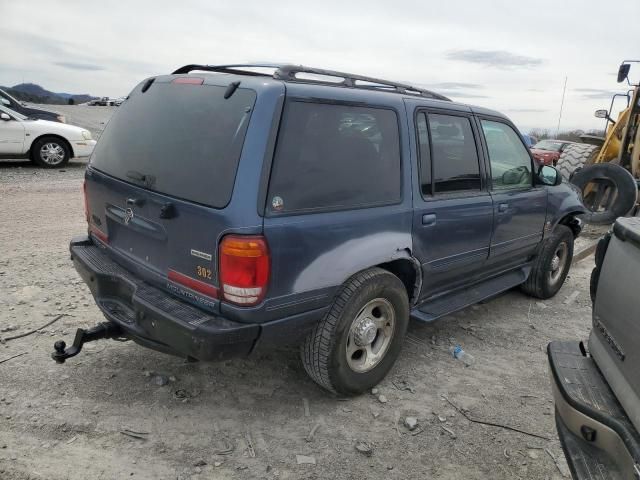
[(135, 202), (428, 219), (503, 207)]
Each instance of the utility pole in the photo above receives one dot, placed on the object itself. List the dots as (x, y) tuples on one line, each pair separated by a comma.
[(564, 90)]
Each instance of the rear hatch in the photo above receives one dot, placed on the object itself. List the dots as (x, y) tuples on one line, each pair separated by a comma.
[(161, 176)]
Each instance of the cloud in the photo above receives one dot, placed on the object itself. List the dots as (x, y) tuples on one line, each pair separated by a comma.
[(455, 89), (457, 94), (79, 66), (526, 110), (494, 58), (456, 85), (595, 93)]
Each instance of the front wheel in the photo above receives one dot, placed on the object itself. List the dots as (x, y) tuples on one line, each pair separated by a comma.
[(552, 265), (50, 152), (357, 342)]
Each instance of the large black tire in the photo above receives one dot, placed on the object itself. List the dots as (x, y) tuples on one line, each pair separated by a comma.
[(620, 194), (574, 157), (544, 280), (324, 351), (42, 152)]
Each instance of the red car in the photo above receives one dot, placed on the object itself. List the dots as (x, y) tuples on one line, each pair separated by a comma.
[(547, 152)]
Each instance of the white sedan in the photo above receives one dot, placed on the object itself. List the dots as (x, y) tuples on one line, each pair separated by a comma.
[(47, 144)]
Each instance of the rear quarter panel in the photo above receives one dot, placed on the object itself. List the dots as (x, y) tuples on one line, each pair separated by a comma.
[(312, 254)]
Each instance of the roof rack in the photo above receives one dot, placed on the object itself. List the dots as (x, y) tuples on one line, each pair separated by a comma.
[(289, 73)]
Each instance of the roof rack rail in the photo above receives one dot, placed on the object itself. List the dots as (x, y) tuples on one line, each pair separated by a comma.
[(289, 73)]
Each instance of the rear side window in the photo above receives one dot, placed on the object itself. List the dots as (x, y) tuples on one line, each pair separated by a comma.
[(452, 154), (178, 139), (335, 156), (510, 160)]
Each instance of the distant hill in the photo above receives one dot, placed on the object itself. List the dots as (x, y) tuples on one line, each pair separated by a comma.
[(30, 92)]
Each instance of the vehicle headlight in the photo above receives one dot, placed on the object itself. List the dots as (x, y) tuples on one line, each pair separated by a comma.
[(62, 118), (86, 134)]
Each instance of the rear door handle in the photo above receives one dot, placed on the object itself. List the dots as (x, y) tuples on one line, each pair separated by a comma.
[(503, 207), (428, 219), (135, 202)]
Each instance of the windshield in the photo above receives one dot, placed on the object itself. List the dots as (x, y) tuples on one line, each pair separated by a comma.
[(178, 139), (547, 145), (13, 113)]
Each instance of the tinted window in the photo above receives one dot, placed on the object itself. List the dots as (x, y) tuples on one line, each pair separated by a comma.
[(510, 161), (425, 154), (453, 154), (332, 156), (182, 140)]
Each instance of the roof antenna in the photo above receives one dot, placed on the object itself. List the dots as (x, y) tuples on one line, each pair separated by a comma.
[(564, 90)]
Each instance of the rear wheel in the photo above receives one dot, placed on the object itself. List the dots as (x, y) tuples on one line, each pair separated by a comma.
[(353, 347), (552, 264), (574, 157), (50, 152)]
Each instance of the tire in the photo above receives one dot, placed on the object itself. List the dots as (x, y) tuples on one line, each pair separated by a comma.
[(574, 157), (623, 192), (325, 350), (50, 152), (544, 280)]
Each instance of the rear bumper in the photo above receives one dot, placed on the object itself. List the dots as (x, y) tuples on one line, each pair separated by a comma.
[(158, 320), (596, 434)]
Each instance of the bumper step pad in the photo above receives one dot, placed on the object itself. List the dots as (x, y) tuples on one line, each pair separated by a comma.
[(582, 392)]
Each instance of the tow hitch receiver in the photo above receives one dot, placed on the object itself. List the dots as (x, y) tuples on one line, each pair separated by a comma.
[(100, 331)]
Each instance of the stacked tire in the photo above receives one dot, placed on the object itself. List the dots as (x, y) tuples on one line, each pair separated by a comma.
[(574, 157)]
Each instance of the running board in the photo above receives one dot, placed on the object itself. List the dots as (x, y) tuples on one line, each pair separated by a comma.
[(452, 302)]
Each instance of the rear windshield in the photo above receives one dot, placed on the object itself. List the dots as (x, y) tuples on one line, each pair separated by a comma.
[(178, 139), (551, 146)]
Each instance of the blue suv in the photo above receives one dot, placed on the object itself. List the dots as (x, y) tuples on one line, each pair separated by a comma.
[(231, 210)]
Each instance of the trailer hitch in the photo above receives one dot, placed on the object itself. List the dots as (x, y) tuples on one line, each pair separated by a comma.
[(100, 331)]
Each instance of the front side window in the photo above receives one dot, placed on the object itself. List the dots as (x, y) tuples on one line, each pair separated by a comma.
[(454, 157), (335, 156), (510, 161)]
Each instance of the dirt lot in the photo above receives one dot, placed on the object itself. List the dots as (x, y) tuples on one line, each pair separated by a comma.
[(250, 418)]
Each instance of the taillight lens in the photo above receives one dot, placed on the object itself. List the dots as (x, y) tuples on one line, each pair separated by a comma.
[(244, 269)]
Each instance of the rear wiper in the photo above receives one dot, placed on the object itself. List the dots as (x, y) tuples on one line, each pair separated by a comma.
[(147, 180)]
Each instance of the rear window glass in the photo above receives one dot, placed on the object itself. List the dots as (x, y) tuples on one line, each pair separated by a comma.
[(181, 140), (335, 156)]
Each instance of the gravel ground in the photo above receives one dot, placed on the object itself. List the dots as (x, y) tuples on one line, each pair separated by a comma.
[(251, 418)]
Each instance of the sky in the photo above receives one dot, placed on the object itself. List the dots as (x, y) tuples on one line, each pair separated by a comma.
[(512, 56)]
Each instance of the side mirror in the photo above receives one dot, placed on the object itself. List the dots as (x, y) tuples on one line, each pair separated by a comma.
[(5, 117), (548, 175), (602, 114), (623, 72)]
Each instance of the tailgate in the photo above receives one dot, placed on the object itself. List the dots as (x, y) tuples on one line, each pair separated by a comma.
[(159, 236), (615, 339)]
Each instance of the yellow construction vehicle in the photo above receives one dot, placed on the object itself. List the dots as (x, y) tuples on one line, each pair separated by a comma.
[(607, 169)]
